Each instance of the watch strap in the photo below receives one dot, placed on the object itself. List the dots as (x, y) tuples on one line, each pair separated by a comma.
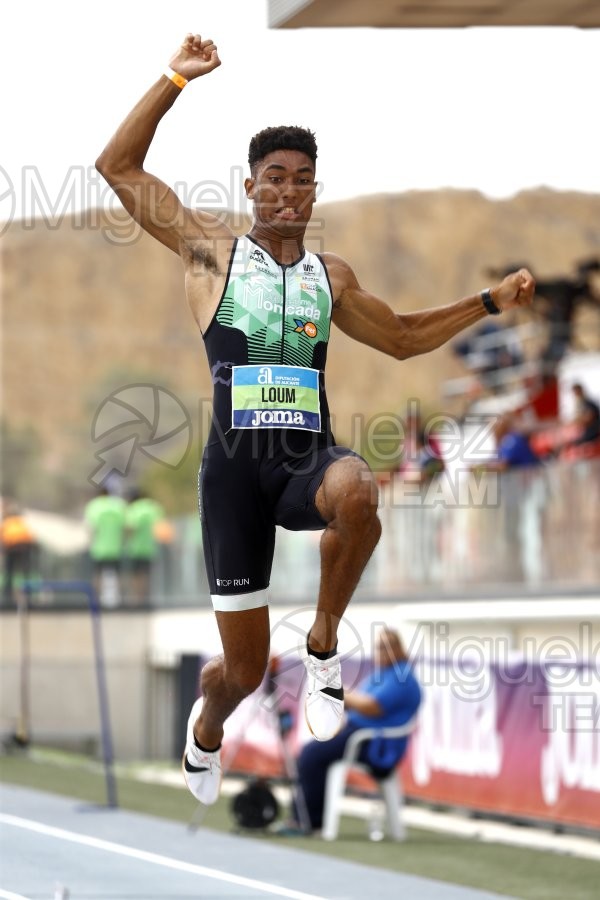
[(486, 297)]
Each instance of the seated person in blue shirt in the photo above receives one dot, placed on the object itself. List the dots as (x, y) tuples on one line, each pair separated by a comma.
[(513, 449), (389, 696)]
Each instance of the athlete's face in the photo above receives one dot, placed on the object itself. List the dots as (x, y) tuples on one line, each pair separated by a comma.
[(283, 191)]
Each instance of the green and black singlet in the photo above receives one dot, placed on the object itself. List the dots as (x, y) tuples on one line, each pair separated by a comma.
[(270, 441)]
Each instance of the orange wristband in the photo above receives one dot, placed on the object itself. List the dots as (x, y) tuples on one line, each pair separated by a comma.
[(176, 78)]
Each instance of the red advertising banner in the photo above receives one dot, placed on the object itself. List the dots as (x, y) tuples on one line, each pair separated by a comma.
[(520, 739)]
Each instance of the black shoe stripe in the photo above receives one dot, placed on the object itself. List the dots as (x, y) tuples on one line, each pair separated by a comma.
[(190, 768), (336, 693)]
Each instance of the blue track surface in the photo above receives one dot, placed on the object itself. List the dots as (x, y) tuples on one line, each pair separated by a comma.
[(102, 854)]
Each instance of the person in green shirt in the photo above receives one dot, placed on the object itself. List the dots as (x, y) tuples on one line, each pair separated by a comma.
[(142, 515), (105, 518)]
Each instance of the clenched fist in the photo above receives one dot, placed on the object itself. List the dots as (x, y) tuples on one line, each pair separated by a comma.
[(517, 289), (195, 57)]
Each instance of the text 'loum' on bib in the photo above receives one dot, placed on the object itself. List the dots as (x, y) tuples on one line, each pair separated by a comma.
[(275, 397)]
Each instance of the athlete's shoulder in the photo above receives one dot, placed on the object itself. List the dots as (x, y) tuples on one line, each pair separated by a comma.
[(332, 259), (336, 263), (340, 273)]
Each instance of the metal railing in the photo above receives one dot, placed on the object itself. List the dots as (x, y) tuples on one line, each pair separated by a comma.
[(535, 530)]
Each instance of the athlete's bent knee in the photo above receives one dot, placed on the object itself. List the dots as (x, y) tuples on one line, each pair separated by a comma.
[(244, 678), (358, 499)]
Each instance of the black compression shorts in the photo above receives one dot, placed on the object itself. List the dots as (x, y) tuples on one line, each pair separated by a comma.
[(249, 482)]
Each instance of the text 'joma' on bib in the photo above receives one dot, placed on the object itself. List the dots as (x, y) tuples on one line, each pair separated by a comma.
[(275, 397)]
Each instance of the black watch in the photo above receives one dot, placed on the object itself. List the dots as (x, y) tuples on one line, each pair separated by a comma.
[(489, 304)]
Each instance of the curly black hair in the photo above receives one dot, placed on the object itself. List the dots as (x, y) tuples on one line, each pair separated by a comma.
[(281, 137)]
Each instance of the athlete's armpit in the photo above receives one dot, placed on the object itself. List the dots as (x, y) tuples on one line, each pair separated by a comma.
[(202, 256), (207, 255)]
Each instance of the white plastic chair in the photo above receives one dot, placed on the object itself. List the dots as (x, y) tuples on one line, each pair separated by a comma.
[(390, 787)]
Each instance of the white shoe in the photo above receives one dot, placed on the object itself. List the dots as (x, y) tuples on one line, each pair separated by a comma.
[(201, 769), (324, 705)]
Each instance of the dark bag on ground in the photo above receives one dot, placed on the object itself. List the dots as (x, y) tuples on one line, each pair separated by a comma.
[(256, 806)]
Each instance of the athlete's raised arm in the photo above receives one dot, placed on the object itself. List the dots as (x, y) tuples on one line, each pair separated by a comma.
[(149, 200), (368, 319)]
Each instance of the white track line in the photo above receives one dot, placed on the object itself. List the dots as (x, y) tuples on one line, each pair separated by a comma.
[(8, 895), (153, 858)]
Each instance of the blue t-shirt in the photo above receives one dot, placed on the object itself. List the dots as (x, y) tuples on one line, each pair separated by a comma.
[(398, 693), (514, 449)]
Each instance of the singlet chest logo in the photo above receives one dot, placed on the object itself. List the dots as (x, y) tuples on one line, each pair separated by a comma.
[(261, 293), (284, 312), (264, 293)]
